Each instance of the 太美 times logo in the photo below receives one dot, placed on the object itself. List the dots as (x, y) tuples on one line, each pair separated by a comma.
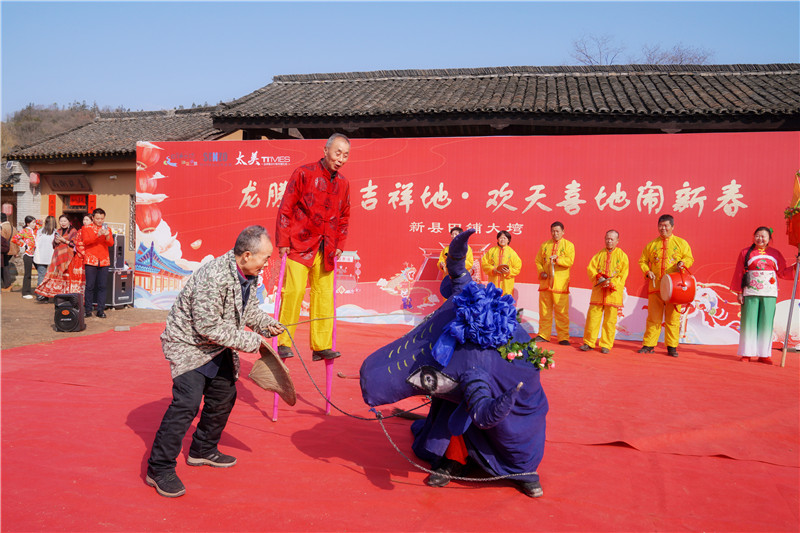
[(258, 160)]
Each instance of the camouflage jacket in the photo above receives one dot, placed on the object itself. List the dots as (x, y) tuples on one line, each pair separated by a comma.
[(207, 317)]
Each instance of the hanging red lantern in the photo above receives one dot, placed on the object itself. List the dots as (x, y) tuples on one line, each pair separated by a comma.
[(145, 182), (147, 155), (34, 179), (8, 209), (148, 217)]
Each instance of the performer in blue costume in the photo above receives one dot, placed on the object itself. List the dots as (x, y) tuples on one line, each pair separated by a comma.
[(498, 406)]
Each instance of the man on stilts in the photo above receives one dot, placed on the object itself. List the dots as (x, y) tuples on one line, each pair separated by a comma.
[(312, 225)]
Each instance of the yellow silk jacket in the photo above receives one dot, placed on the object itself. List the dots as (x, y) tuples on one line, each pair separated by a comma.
[(566, 256), (661, 257), (614, 265)]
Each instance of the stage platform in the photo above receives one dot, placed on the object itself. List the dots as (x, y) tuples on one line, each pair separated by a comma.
[(635, 442)]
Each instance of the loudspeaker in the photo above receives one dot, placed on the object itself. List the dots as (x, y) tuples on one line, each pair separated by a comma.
[(116, 252), (69, 312), (119, 288)]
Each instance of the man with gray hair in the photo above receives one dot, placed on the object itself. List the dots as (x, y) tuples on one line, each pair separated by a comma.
[(312, 225), (205, 329)]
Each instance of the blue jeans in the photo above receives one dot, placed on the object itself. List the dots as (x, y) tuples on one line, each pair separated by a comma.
[(188, 389), (95, 292), (41, 272)]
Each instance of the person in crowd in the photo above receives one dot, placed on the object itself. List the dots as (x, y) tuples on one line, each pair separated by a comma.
[(26, 240), (96, 239), (662, 256), (608, 271), (755, 284), (554, 262), (65, 274), (442, 264), (205, 329), (87, 220), (501, 263), (10, 250), (43, 253), (312, 226)]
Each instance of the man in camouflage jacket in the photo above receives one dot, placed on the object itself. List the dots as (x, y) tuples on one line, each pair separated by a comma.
[(204, 331)]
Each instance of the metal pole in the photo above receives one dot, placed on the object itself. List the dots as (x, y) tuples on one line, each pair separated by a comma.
[(791, 309), (277, 315)]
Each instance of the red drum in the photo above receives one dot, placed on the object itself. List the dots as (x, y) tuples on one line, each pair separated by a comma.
[(678, 288)]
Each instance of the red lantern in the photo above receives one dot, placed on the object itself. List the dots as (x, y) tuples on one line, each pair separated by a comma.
[(8, 209), (34, 179), (145, 183), (147, 155), (148, 217)]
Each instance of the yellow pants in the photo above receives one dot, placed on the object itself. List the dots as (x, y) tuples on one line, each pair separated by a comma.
[(321, 302), (553, 303), (593, 318), (656, 309)]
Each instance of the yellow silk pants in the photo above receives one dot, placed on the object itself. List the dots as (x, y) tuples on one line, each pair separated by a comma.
[(593, 319), (551, 303), (656, 309), (297, 276)]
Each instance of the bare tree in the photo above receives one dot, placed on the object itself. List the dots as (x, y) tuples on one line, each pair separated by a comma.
[(677, 55), (604, 50), (596, 50)]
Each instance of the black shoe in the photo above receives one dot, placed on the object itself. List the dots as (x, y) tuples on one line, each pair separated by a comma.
[(563, 343), (672, 350), (441, 476), (319, 355), (604, 350), (101, 314), (285, 352), (167, 484), (41, 298), (585, 348), (532, 489), (539, 338), (219, 460), (646, 349)]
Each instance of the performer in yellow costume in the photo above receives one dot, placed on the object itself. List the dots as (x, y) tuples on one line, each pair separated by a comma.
[(608, 271), (663, 256), (501, 263), (470, 260), (554, 261)]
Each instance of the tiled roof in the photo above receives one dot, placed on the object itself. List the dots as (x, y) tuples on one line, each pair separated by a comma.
[(116, 134), (632, 90)]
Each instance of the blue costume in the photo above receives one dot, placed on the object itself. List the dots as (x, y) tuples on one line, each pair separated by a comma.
[(452, 356)]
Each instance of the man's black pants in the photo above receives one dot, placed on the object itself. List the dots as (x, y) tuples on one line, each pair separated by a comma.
[(95, 291), (188, 390)]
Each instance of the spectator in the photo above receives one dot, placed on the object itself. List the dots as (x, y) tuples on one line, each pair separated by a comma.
[(96, 239), (43, 252), (26, 240), (65, 274)]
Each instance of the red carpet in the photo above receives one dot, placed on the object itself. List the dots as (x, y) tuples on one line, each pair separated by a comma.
[(635, 443)]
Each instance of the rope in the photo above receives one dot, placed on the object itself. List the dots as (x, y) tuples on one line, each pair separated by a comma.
[(380, 417)]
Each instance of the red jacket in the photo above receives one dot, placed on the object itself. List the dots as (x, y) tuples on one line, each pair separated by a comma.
[(315, 209), (95, 247)]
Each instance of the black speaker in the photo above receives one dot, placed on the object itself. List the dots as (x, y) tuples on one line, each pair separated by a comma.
[(119, 288), (116, 252), (69, 312)]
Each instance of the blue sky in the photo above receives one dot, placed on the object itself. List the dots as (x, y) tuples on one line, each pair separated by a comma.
[(159, 55)]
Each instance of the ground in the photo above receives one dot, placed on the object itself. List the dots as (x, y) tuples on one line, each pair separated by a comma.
[(27, 322)]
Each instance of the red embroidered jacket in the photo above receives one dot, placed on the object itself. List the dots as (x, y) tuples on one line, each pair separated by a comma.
[(315, 211)]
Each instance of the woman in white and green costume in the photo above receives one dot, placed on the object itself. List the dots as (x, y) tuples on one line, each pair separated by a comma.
[(755, 281)]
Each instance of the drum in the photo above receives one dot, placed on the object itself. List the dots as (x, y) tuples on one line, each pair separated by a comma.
[(678, 288)]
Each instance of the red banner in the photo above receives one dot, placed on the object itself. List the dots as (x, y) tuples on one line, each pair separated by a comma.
[(194, 197)]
